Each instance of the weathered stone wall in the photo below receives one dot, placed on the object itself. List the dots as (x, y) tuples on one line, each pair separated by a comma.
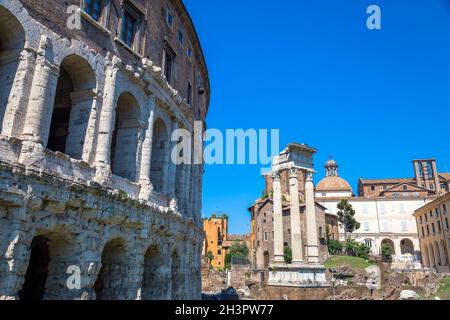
[(79, 187)]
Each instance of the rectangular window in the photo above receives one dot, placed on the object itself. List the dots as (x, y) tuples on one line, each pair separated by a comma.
[(384, 187), (130, 26), (442, 185), (324, 194), (404, 226), (436, 211), (402, 208), (364, 209), (169, 60), (266, 238), (366, 226), (421, 219), (219, 252), (439, 227), (94, 8), (189, 50), (383, 208), (372, 188), (180, 37), (128, 29), (446, 224), (433, 228), (445, 209), (169, 18), (189, 93), (428, 230), (423, 233)]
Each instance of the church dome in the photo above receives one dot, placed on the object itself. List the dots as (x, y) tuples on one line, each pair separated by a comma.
[(333, 183)]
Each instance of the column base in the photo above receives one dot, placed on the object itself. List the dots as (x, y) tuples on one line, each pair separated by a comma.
[(301, 276)]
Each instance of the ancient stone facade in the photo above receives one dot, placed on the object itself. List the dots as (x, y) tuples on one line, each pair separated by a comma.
[(91, 205)]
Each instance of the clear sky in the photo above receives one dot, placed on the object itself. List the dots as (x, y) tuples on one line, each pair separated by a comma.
[(375, 100)]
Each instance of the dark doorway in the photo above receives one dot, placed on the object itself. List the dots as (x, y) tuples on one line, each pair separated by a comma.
[(37, 272)]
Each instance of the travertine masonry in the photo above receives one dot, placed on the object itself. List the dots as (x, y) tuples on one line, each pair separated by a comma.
[(91, 205)]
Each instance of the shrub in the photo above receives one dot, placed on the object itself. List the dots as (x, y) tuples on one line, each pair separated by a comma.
[(334, 247), (287, 254)]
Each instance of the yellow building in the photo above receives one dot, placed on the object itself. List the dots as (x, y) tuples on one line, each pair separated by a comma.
[(434, 233), (216, 233)]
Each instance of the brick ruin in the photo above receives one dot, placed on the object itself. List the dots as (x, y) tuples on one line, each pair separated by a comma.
[(86, 180)]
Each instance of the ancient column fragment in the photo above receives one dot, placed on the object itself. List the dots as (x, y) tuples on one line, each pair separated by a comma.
[(277, 219), (296, 233), (108, 112), (42, 95), (311, 226)]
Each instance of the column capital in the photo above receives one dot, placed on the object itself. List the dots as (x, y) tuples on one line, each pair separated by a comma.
[(276, 176), (309, 176), (293, 173)]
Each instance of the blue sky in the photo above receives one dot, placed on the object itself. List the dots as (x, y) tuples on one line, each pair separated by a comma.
[(375, 100)]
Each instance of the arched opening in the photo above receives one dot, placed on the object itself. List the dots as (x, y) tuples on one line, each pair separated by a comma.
[(37, 271), (425, 257), (125, 137), (390, 243), (113, 272), (160, 149), (431, 256), (437, 254), (406, 246), (46, 276), (72, 107), (177, 277), (444, 255), (154, 283), (266, 259), (12, 41)]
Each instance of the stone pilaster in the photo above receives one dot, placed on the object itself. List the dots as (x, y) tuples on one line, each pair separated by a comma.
[(277, 220), (146, 159), (42, 95), (311, 225), (108, 113), (296, 233)]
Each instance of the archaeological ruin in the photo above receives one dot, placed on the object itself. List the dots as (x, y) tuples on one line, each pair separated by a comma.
[(91, 205)]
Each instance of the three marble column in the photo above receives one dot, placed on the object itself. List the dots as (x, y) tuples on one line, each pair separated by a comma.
[(312, 245)]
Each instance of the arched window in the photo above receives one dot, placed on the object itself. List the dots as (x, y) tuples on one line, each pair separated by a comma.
[(12, 41), (72, 107), (160, 156), (125, 137)]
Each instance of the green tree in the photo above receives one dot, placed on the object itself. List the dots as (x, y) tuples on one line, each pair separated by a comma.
[(210, 256), (386, 252), (287, 254), (238, 250), (346, 217)]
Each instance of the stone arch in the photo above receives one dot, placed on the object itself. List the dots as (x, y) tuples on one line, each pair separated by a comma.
[(443, 251), (111, 279), (50, 255), (431, 256), (177, 276), (160, 150), (437, 254), (154, 283), (72, 106), (406, 246), (266, 256), (12, 41), (390, 243), (124, 145), (425, 257)]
